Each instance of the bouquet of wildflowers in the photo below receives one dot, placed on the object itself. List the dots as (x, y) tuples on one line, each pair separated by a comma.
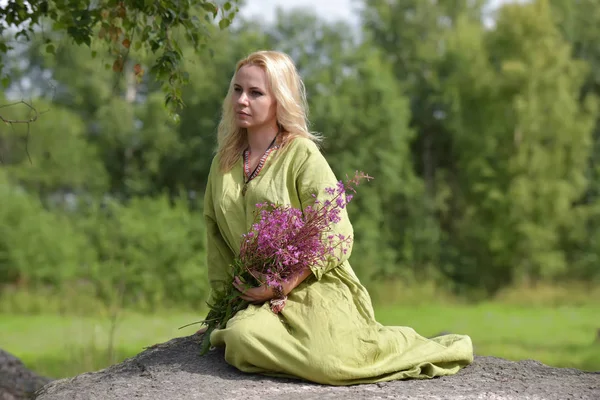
[(282, 243)]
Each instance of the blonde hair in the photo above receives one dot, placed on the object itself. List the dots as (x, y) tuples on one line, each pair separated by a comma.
[(292, 110)]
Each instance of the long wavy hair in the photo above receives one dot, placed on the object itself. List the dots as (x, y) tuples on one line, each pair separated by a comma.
[(291, 107)]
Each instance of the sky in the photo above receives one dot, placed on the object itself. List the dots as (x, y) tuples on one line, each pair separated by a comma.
[(330, 10)]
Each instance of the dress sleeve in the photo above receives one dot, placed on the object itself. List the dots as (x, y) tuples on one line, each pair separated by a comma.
[(218, 254), (314, 176)]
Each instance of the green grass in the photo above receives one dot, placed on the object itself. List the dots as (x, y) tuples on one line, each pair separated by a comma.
[(59, 346)]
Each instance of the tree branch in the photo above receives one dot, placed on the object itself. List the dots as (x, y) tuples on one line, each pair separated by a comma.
[(28, 122), (20, 121)]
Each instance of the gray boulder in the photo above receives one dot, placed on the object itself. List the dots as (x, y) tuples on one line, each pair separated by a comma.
[(174, 370), (16, 381)]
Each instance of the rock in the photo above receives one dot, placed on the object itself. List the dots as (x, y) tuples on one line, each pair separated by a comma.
[(16, 381), (174, 370)]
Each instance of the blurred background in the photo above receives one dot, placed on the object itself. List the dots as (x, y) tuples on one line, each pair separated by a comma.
[(478, 120)]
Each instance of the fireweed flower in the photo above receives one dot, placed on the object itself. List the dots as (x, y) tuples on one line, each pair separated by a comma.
[(283, 241)]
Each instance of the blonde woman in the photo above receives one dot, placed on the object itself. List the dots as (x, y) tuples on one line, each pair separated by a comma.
[(327, 332)]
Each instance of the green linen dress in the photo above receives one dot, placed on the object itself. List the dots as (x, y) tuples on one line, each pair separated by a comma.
[(327, 332)]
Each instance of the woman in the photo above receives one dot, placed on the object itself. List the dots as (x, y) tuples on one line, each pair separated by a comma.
[(327, 332)]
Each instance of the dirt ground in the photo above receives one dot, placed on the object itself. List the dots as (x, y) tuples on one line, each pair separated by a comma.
[(174, 370)]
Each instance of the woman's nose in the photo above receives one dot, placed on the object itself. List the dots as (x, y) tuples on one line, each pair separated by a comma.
[(242, 99)]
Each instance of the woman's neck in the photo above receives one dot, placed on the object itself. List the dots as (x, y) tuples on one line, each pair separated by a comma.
[(259, 141)]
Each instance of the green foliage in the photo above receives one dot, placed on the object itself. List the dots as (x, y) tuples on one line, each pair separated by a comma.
[(37, 247), (160, 27), (149, 252), (481, 140), (579, 24), (64, 158), (517, 174), (503, 136), (412, 35), (151, 249)]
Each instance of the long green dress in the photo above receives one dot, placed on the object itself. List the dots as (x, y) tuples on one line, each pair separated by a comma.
[(327, 332)]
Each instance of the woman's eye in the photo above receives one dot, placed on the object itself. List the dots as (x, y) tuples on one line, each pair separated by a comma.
[(256, 93), (237, 89)]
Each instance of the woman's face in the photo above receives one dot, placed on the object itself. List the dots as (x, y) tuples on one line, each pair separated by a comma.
[(253, 103)]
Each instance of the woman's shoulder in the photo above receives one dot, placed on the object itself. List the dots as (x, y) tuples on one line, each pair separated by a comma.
[(214, 164), (304, 153), (214, 170), (302, 147)]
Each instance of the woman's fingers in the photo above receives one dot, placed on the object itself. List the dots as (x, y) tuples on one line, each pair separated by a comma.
[(255, 295), (237, 283), (251, 295)]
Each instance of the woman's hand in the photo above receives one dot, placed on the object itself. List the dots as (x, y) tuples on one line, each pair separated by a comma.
[(263, 293), (253, 295)]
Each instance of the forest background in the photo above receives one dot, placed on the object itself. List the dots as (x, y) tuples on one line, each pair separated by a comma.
[(484, 141)]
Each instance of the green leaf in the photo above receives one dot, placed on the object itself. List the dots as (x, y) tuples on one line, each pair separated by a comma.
[(224, 23), (5, 82), (205, 343), (168, 99), (210, 7), (94, 53), (227, 6), (50, 49)]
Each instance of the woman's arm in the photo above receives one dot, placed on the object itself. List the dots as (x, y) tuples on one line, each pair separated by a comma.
[(218, 254)]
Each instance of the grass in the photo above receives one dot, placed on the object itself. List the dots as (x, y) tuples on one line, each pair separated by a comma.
[(61, 346)]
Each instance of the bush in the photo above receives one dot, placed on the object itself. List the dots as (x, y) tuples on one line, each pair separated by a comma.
[(147, 253), (37, 247), (151, 252)]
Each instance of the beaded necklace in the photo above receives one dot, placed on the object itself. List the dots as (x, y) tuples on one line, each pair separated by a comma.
[(249, 176)]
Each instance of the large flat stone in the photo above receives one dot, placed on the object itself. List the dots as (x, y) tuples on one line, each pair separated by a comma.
[(174, 370)]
